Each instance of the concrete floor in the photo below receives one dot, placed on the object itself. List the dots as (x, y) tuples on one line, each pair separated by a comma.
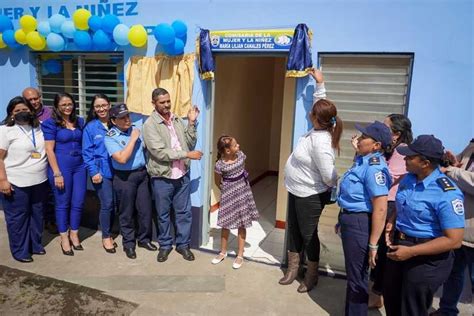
[(178, 287)]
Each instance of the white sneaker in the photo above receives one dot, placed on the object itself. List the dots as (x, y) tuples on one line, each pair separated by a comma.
[(238, 262), (220, 257)]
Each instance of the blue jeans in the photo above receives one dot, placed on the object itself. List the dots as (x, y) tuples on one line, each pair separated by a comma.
[(176, 193), (105, 193), (24, 216), (452, 288)]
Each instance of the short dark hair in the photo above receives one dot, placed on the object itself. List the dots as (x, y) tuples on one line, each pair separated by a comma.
[(157, 92), (9, 119)]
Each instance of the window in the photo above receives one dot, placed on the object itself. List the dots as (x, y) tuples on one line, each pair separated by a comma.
[(365, 87), (82, 75)]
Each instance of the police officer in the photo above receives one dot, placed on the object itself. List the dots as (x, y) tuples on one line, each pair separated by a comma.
[(130, 180), (363, 201), (428, 225)]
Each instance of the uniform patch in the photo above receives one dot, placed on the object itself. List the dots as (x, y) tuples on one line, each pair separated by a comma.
[(123, 142), (111, 133), (458, 206), (380, 178), (374, 161), (445, 184)]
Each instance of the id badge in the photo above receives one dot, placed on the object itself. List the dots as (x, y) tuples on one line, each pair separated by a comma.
[(35, 155)]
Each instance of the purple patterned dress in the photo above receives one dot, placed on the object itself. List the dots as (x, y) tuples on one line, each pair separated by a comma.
[(237, 207)]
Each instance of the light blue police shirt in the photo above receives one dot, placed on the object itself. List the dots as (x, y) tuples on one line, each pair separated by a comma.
[(426, 208), (116, 140), (367, 178)]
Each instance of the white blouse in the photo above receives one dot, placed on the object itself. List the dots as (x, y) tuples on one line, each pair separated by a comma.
[(23, 170)]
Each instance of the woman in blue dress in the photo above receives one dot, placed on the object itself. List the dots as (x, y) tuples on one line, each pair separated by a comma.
[(98, 164), (66, 172)]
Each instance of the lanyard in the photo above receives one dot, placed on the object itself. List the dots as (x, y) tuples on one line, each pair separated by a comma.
[(33, 139)]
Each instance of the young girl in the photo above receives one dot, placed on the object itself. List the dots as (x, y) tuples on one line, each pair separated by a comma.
[(237, 206)]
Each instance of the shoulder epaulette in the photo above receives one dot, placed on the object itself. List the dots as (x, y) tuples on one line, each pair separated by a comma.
[(111, 133), (445, 184), (374, 161)]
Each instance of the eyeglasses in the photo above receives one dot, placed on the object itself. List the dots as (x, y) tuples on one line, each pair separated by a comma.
[(101, 106), (68, 105)]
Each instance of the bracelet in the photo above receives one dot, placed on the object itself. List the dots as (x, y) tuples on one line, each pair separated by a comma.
[(57, 175), (373, 247)]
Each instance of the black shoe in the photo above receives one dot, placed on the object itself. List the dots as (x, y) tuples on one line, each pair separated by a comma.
[(163, 254), (78, 247), (130, 252), (186, 253), (147, 246), (109, 250), (40, 253), (67, 253), (24, 260)]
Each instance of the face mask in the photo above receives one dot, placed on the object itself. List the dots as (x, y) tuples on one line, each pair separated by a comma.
[(23, 117)]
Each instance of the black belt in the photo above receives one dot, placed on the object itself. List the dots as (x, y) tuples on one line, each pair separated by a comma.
[(344, 211), (118, 171), (399, 236)]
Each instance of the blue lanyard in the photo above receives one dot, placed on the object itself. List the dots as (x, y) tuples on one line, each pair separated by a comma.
[(33, 139)]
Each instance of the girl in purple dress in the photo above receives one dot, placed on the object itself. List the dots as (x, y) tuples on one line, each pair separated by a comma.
[(237, 207)]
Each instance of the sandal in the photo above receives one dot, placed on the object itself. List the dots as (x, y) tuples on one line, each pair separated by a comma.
[(238, 262), (220, 257)]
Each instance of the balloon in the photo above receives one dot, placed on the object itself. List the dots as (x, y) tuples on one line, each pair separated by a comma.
[(137, 35), (44, 71), (83, 40), (55, 21), (53, 66), (28, 23), (9, 38), (5, 23), (81, 18), (176, 48), (109, 22), (95, 23), (180, 29), (120, 34), (55, 42), (68, 29), (44, 28), (20, 36), (101, 40), (35, 41), (2, 43), (164, 33)]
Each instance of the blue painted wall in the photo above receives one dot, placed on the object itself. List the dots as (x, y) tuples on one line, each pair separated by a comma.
[(438, 32)]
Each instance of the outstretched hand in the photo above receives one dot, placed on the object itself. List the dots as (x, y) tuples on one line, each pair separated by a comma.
[(317, 75), (193, 114)]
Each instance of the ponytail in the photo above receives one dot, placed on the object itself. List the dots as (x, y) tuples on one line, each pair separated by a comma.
[(336, 133)]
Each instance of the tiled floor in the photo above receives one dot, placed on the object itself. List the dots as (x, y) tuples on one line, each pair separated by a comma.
[(265, 242)]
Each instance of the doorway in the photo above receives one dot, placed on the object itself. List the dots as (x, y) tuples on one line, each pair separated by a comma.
[(251, 96)]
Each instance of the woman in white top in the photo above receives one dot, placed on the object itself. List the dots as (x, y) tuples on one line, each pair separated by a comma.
[(23, 180), (310, 175)]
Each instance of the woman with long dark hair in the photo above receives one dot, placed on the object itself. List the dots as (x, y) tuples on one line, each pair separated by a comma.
[(310, 175), (23, 179), (98, 164), (66, 172)]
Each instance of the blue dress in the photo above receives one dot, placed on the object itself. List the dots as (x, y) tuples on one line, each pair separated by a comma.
[(68, 150)]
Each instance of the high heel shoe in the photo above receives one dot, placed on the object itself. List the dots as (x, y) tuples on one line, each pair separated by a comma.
[(67, 253), (78, 247), (109, 250)]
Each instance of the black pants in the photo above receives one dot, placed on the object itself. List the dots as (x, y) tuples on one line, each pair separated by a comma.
[(377, 274), (409, 285), (133, 194), (303, 219)]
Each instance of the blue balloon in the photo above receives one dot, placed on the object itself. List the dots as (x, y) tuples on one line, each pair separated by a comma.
[(83, 40), (68, 29), (53, 66), (44, 71), (109, 22), (95, 23), (120, 34), (101, 40), (9, 38), (5, 23), (55, 22), (164, 34), (55, 42), (180, 28), (176, 48), (44, 28)]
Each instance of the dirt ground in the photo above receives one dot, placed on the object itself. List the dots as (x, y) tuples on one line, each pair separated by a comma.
[(24, 293)]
